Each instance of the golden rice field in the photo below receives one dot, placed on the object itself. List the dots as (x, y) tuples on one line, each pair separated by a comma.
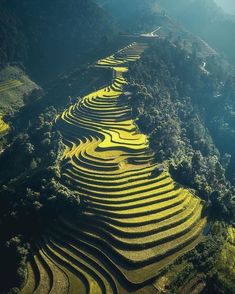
[(135, 223), (4, 127)]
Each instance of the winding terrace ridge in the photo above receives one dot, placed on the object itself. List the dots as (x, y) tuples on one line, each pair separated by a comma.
[(135, 223)]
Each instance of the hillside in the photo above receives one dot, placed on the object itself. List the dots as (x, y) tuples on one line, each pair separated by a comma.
[(117, 172), (206, 19), (134, 223), (136, 17), (144, 16), (227, 5), (183, 121), (49, 37), (103, 187), (15, 86), (16, 90)]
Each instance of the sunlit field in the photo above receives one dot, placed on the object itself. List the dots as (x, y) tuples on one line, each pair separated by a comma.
[(135, 223), (4, 127)]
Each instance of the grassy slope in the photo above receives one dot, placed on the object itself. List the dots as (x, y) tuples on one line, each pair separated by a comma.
[(14, 86)]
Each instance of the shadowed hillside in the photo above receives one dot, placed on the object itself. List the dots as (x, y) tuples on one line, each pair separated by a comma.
[(207, 20), (48, 37)]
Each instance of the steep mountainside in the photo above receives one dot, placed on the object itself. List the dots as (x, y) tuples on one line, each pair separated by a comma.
[(145, 16), (135, 221), (118, 177), (49, 36), (188, 114), (15, 86), (16, 90), (207, 20), (136, 17)]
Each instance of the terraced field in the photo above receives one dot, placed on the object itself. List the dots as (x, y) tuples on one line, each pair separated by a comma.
[(8, 85), (134, 223), (4, 127), (4, 87)]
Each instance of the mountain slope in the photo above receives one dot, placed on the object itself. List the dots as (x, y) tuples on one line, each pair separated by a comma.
[(136, 17), (136, 221), (48, 37), (90, 204), (207, 20)]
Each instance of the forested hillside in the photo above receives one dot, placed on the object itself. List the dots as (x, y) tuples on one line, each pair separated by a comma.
[(187, 113), (49, 37), (179, 106), (117, 165), (206, 19), (32, 195), (146, 16), (136, 17)]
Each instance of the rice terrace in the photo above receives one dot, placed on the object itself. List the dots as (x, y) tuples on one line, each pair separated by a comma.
[(117, 147), (136, 221)]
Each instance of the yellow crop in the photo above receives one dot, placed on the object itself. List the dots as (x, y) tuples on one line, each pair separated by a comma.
[(135, 220), (4, 127)]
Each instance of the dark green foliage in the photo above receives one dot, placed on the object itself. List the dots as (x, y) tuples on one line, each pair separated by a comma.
[(13, 256), (202, 260), (49, 37), (174, 102), (37, 143), (134, 16), (31, 195), (183, 109)]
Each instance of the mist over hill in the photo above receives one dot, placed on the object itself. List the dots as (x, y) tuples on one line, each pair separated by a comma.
[(227, 5), (206, 19)]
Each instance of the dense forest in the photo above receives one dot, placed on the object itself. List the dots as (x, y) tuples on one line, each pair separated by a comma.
[(49, 38), (190, 126), (185, 122), (31, 193)]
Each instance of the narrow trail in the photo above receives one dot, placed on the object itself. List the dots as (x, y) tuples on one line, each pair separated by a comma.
[(134, 223)]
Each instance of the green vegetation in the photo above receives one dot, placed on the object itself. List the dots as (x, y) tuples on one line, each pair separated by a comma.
[(4, 127), (225, 264), (4, 87), (116, 221), (15, 87), (129, 189), (134, 221), (49, 38), (180, 120), (16, 90), (177, 118), (31, 195)]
